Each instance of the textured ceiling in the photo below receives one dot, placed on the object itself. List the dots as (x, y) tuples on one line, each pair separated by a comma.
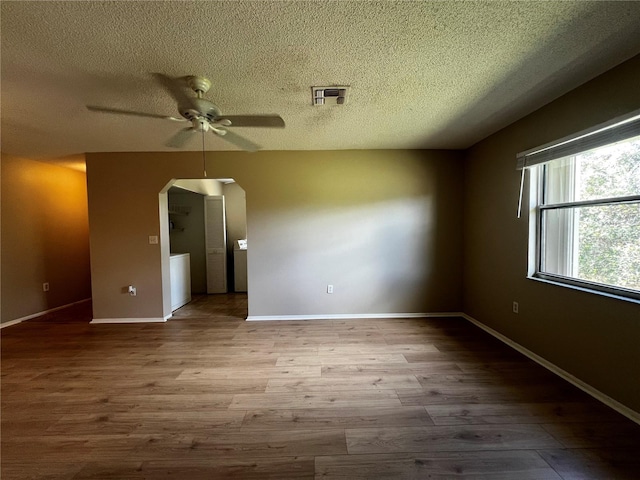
[(422, 74)]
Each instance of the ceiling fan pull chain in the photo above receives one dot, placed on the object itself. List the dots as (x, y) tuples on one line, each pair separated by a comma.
[(204, 163)]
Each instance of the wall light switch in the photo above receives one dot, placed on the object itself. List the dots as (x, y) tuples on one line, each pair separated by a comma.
[(329, 288), (153, 239)]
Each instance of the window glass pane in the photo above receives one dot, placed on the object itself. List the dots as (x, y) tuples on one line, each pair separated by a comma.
[(604, 172), (599, 243)]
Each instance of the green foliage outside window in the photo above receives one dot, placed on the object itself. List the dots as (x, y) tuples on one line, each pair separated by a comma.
[(609, 235)]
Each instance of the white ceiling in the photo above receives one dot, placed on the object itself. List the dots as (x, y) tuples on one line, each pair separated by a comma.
[(423, 74)]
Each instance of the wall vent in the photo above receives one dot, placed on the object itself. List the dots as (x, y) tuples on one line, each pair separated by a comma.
[(329, 95)]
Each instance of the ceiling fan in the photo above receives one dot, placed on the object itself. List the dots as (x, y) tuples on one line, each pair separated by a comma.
[(203, 115)]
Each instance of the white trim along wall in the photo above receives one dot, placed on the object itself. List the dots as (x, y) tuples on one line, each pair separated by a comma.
[(34, 315), (585, 387)]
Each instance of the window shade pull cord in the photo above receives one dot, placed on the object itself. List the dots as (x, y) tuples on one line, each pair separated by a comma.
[(520, 194)]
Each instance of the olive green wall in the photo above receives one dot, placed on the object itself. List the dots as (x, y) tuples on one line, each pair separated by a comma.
[(594, 338), (384, 227), (45, 237)]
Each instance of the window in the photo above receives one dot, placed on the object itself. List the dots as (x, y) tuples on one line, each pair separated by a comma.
[(585, 216)]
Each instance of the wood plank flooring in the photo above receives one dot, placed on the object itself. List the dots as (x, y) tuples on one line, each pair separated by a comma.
[(210, 396)]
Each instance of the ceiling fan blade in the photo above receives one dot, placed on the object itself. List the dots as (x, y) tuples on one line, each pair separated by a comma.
[(238, 141), (118, 111), (178, 93), (271, 121), (180, 138)]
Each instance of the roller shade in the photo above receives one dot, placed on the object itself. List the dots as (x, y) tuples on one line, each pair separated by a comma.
[(615, 131)]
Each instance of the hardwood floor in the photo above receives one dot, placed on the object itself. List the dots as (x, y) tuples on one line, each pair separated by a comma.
[(210, 396)]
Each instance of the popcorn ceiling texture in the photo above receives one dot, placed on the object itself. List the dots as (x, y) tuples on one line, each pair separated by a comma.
[(422, 74)]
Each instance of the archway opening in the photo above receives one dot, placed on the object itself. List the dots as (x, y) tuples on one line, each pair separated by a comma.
[(204, 246)]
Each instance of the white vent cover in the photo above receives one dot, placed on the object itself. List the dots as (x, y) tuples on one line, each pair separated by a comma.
[(329, 95)]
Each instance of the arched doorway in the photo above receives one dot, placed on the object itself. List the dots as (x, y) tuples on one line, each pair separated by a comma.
[(203, 225)]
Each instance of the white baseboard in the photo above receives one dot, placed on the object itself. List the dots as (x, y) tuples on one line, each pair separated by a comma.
[(34, 315), (348, 316), (12, 322), (130, 320), (585, 387)]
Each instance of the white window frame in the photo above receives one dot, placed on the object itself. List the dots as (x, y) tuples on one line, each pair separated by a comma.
[(534, 162)]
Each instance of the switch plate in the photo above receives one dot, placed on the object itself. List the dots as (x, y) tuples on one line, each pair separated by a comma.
[(153, 239), (45, 287), (516, 307), (329, 288)]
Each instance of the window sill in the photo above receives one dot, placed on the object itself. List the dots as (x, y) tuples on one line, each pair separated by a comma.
[(585, 289)]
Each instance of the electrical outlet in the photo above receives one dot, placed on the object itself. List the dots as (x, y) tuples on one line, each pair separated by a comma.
[(516, 307), (45, 287), (329, 288), (132, 291)]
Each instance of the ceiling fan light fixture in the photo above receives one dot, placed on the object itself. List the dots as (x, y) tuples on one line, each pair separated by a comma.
[(200, 124)]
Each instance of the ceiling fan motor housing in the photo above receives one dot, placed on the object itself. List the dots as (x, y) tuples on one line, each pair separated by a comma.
[(200, 108)]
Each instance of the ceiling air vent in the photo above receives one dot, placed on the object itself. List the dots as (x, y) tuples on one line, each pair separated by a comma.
[(329, 95)]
